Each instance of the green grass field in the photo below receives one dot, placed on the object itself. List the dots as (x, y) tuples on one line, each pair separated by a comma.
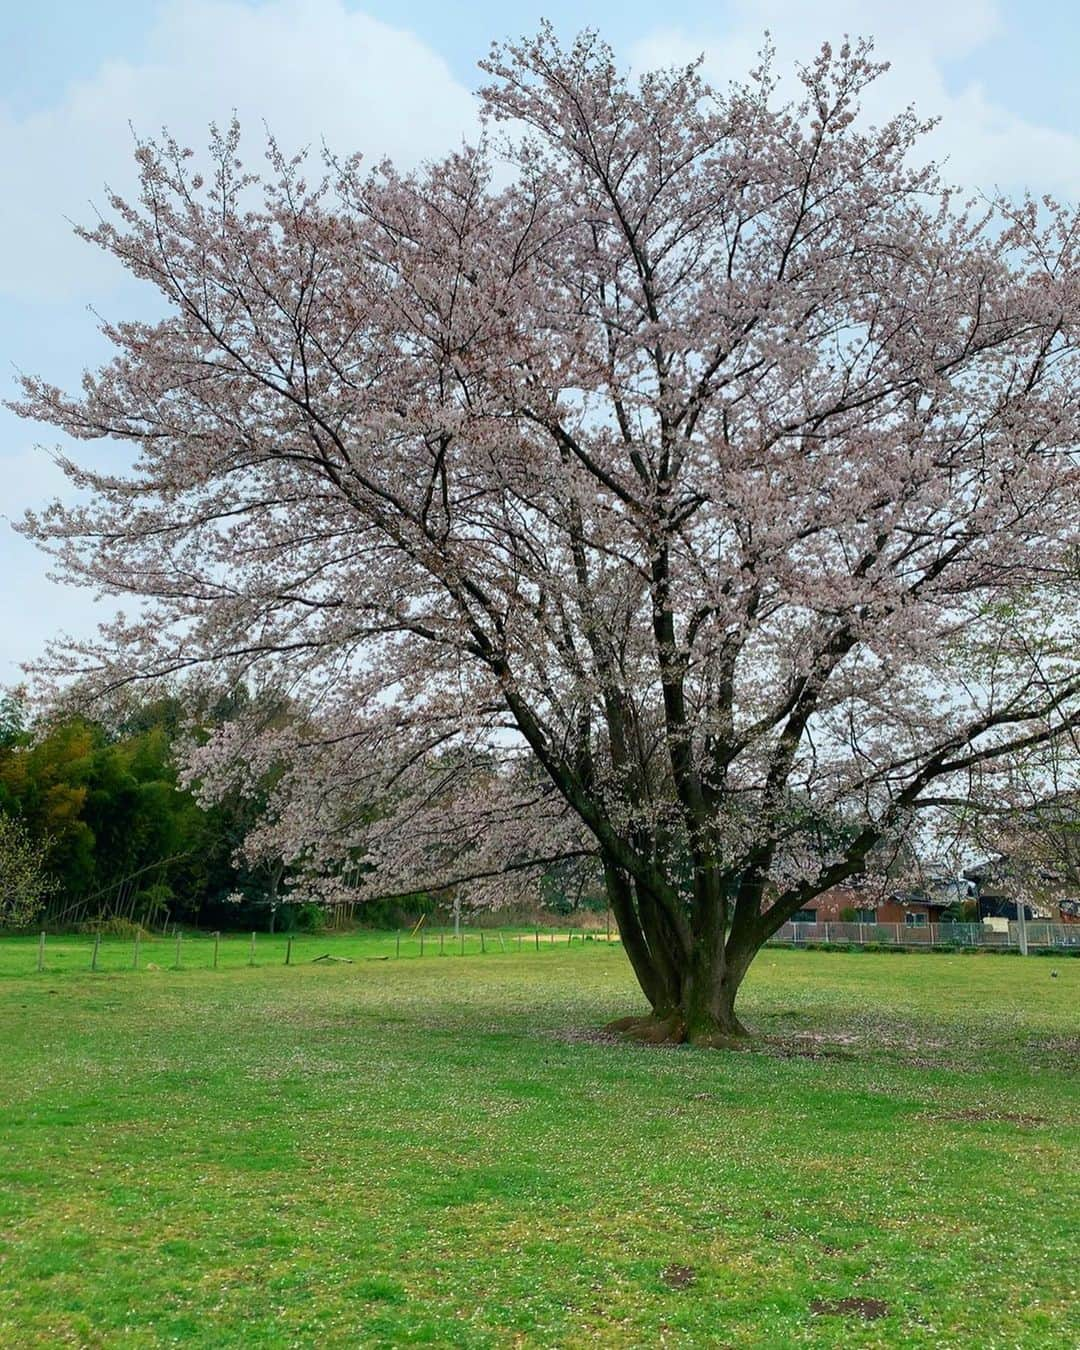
[(442, 1152)]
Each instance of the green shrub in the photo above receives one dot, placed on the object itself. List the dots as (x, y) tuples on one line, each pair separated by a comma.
[(306, 917), (115, 927), (155, 902)]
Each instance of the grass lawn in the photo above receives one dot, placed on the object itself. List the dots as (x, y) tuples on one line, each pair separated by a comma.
[(441, 1152)]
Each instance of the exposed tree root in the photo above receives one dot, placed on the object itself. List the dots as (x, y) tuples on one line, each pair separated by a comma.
[(672, 1030)]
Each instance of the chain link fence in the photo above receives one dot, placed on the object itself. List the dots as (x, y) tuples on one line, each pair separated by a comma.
[(1002, 936)]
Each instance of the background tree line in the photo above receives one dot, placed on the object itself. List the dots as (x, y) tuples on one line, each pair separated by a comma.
[(95, 823), (99, 805)]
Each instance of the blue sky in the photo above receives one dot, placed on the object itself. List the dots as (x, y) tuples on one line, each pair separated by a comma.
[(396, 78)]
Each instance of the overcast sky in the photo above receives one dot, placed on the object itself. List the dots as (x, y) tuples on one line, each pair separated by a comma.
[(395, 77)]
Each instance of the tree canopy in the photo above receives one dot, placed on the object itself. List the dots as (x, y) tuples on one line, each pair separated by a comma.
[(674, 471)]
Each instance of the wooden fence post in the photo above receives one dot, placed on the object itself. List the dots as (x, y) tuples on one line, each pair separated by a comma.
[(97, 944), (442, 935), (288, 951), (538, 939), (462, 936), (217, 941), (483, 949), (178, 936), (41, 952), (251, 957)]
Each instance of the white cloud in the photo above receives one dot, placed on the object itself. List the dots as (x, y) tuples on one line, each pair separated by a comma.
[(984, 145), (310, 69)]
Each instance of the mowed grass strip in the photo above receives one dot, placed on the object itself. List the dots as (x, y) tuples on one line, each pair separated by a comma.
[(74, 953), (440, 1151)]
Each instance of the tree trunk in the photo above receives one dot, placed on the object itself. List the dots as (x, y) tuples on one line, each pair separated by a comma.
[(691, 979), (709, 1005)]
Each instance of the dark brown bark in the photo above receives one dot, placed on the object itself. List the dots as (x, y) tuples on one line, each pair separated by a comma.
[(691, 977)]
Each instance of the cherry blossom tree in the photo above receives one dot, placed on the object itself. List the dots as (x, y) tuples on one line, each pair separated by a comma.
[(1023, 825), (683, 482)]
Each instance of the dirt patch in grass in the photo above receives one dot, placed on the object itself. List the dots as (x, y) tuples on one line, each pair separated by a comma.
[(869, 1309), (809, 1045), (996, 1117), (678, 1277), (586, 1036), (605, 1036), (1061, 1050), (957, 1066)]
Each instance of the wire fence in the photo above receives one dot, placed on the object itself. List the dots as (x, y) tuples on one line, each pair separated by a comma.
[(1001, 936), (186, 949)]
